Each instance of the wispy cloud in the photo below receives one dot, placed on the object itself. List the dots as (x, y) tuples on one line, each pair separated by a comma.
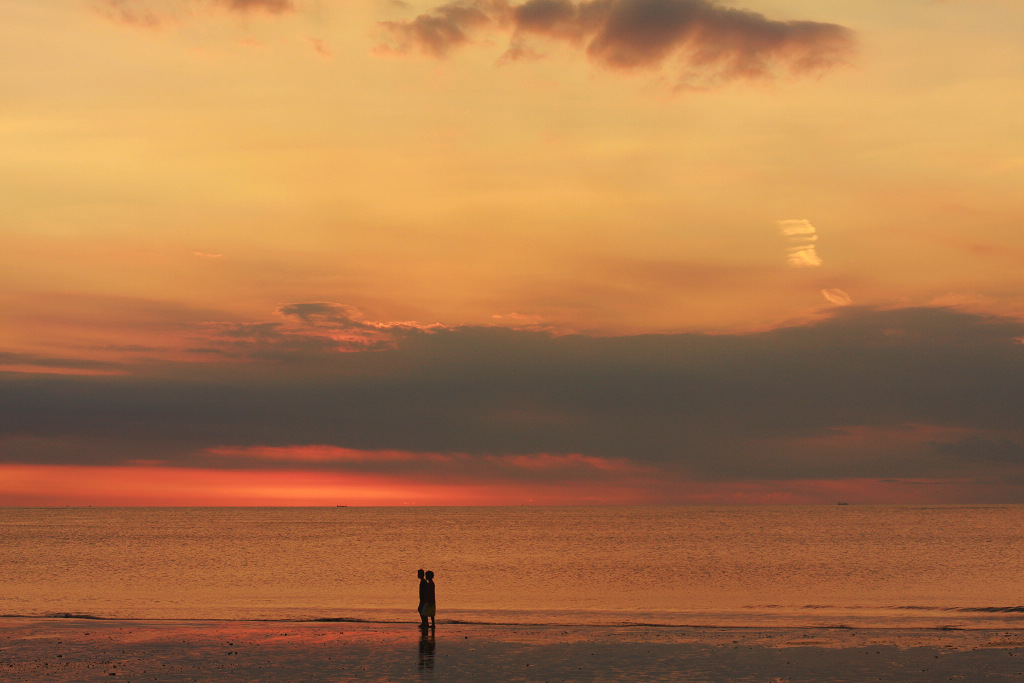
[(802, 236), (837, 297), (321, 47), (155, 13), (342, 316), (306, 331), (131, 13), (272, 6), (317, 453), (445, 27), (706, 43), (522, 466)]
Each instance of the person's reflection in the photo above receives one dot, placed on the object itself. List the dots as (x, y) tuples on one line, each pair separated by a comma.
[(426, 650)]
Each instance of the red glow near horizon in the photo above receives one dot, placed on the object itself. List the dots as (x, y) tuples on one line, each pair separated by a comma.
[(63, 485)]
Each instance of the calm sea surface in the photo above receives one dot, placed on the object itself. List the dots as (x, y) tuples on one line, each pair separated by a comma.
[(758, 566)]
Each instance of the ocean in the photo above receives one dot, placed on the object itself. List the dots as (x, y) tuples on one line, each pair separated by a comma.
[(757, 566)]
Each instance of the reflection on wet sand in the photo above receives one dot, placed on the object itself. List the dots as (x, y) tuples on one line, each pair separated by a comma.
[(426, 661)]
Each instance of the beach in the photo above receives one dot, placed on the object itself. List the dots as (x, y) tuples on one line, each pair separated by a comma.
[(837, 593), (74, 649)]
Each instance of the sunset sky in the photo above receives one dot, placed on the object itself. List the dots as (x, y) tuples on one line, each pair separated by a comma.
[(319, 252)]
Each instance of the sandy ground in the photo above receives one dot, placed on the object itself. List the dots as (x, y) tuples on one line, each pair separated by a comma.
[(93, 650)]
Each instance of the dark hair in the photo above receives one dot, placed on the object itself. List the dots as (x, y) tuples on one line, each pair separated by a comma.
[(419, 573), (430, 575)]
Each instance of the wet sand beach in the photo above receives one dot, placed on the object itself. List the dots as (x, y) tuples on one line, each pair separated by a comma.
[(70, 649)]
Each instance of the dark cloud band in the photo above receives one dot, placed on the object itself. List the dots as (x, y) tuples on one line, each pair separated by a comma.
[(709, 42), (793, 402)]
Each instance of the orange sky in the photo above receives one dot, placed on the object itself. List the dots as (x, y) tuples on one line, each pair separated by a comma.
[(210, 198)]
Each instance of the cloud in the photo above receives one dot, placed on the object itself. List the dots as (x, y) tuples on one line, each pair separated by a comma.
[(837, 297), (814, 401), (329, 315), (325, 313), (317, 453), (974, 448), (131, 13), (799, 228), (529, 321), (803, 257), (705, 42), (438, 466), (272, 6), (321, 47), (444, 28), (155, 13), (801, 236), (309, 333)]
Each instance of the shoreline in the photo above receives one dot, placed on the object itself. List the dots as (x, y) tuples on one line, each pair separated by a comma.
[(772, 625), (72, 649)]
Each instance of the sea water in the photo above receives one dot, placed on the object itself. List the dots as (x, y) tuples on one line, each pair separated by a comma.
[(857, 566)]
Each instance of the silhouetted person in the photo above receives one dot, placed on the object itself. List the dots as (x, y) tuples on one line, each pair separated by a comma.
[(429, 599), (423, 599)]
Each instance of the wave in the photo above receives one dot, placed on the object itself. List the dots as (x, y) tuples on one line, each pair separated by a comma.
[(1014, 609)]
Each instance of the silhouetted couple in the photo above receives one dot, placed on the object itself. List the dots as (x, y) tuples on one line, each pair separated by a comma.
[(428, 603)]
